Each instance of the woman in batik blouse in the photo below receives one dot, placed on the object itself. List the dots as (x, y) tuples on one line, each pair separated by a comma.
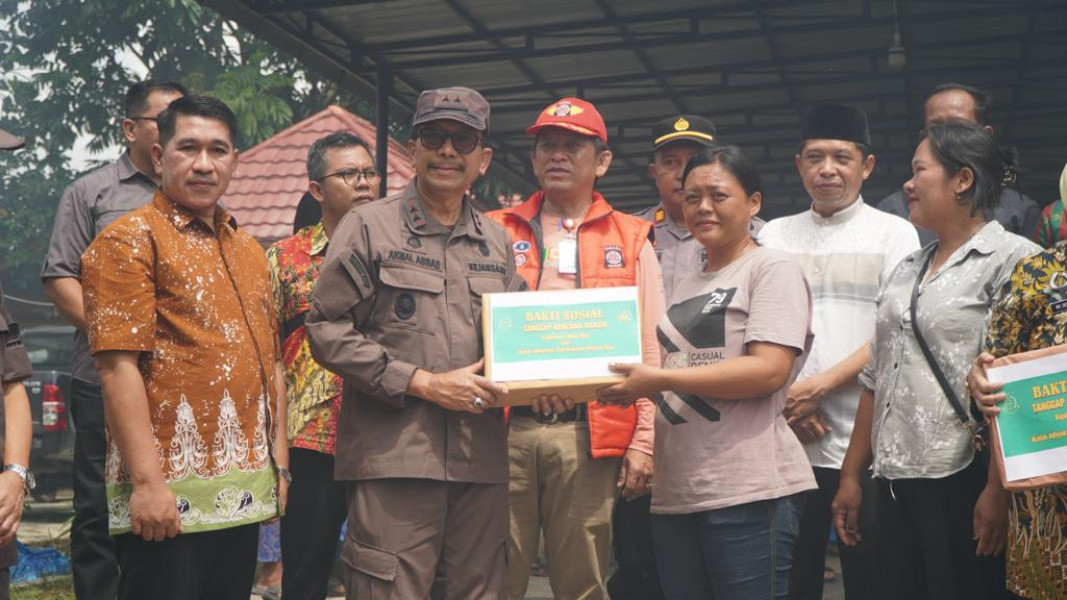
[(1029, 317), (940, 519)]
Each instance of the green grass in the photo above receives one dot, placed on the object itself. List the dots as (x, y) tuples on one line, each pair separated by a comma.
[(53, 588)]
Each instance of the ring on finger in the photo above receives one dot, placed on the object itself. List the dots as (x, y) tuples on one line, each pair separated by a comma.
[(478, 402)]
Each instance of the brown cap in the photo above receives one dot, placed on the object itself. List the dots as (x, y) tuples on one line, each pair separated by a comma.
[(10, 142), (456, 103)]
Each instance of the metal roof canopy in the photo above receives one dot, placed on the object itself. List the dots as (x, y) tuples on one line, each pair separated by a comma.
[(754, 67)]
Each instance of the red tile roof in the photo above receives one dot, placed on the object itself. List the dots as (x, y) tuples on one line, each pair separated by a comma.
[(272, 176)]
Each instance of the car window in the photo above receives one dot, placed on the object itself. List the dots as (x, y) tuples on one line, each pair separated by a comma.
[(55, 349)]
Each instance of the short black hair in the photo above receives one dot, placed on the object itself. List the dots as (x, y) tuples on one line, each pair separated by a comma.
[(734, 160), (983, 100), (208, 107), (956, 145), (316, 161), (137, 94)]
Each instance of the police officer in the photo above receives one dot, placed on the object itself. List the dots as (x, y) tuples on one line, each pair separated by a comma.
[(397, 313), (674, 141)]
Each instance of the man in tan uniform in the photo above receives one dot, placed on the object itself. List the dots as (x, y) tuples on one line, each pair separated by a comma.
[(397, 313)]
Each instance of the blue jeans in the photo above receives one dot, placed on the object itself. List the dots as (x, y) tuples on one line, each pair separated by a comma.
[(741, 552)]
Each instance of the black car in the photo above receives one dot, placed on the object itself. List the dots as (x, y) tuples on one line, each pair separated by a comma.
[(51, 351)]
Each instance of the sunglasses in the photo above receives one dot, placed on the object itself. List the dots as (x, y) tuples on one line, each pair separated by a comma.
[(351, 176), (434, 139)]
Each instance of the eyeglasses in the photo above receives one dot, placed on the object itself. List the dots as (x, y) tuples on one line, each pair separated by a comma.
[(434, 139), (351, 176)]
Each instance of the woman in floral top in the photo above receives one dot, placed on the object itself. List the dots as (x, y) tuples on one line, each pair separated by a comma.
[(1030, 316), (939, 520)]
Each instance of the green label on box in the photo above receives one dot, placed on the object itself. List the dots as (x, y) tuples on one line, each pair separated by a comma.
[(1034, 415), (593, 330)]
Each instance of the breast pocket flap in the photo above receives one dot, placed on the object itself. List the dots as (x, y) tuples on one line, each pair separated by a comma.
[(412, 279)]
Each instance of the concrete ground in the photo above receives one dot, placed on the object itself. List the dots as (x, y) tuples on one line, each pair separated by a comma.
[(539, 589), (49, 523)]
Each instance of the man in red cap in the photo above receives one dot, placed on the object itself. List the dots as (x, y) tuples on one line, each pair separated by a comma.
[(569, 455)]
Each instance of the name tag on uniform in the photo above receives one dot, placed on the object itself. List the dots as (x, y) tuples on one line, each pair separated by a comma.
[(568, 256)]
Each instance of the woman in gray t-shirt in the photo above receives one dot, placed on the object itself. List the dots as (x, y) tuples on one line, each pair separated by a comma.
[(729, 472), (940, 521)]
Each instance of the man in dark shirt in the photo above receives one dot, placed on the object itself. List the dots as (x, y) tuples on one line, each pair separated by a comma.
[(16, 430), (88, 206), (957, 102)]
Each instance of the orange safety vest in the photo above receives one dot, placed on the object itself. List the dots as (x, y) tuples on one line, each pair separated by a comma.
[(609, 243)]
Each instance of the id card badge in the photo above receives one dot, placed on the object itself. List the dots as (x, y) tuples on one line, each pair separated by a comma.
[(568, 256)]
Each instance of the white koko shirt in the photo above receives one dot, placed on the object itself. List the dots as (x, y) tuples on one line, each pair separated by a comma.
[(846, 257)]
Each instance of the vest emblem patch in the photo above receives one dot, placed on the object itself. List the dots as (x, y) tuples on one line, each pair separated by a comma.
[(613, 257)]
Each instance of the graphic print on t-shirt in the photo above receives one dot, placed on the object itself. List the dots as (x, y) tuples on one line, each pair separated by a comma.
[(695, 335)]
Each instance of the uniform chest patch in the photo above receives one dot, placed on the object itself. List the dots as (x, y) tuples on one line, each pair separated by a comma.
[(1058, 307), (487, 268), (613, 257), (414, 242), (483, 248), (419, 260), (520, 260), (521, 246), (404, 306), (1057, 293)]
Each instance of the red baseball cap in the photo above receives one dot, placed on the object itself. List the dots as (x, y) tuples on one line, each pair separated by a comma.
[(574, 114)]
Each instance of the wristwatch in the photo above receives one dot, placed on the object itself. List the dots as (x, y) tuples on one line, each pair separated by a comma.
[(285, 474), (28, 480)]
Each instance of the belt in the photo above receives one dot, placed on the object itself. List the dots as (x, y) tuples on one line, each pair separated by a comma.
[(578, 413)]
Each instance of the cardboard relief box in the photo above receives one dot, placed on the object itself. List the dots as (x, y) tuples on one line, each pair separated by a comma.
[(559, 342), (1030, 434)]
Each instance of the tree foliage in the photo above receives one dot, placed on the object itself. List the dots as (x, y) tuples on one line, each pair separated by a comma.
[(65, 66)]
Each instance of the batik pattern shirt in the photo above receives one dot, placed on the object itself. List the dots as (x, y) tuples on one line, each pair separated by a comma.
[(1032, 314), (314, 393), (916, 432), (196, 305)]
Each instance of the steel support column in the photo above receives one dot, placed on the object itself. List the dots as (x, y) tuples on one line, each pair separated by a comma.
[(381, 143)]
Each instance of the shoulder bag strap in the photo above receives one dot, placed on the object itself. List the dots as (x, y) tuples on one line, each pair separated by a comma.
[(976, 439)]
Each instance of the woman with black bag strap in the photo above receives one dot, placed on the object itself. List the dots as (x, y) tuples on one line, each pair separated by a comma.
[(940, 520)]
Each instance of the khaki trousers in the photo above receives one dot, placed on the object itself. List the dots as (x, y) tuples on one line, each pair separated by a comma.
[(411, 539), (556, 486)]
